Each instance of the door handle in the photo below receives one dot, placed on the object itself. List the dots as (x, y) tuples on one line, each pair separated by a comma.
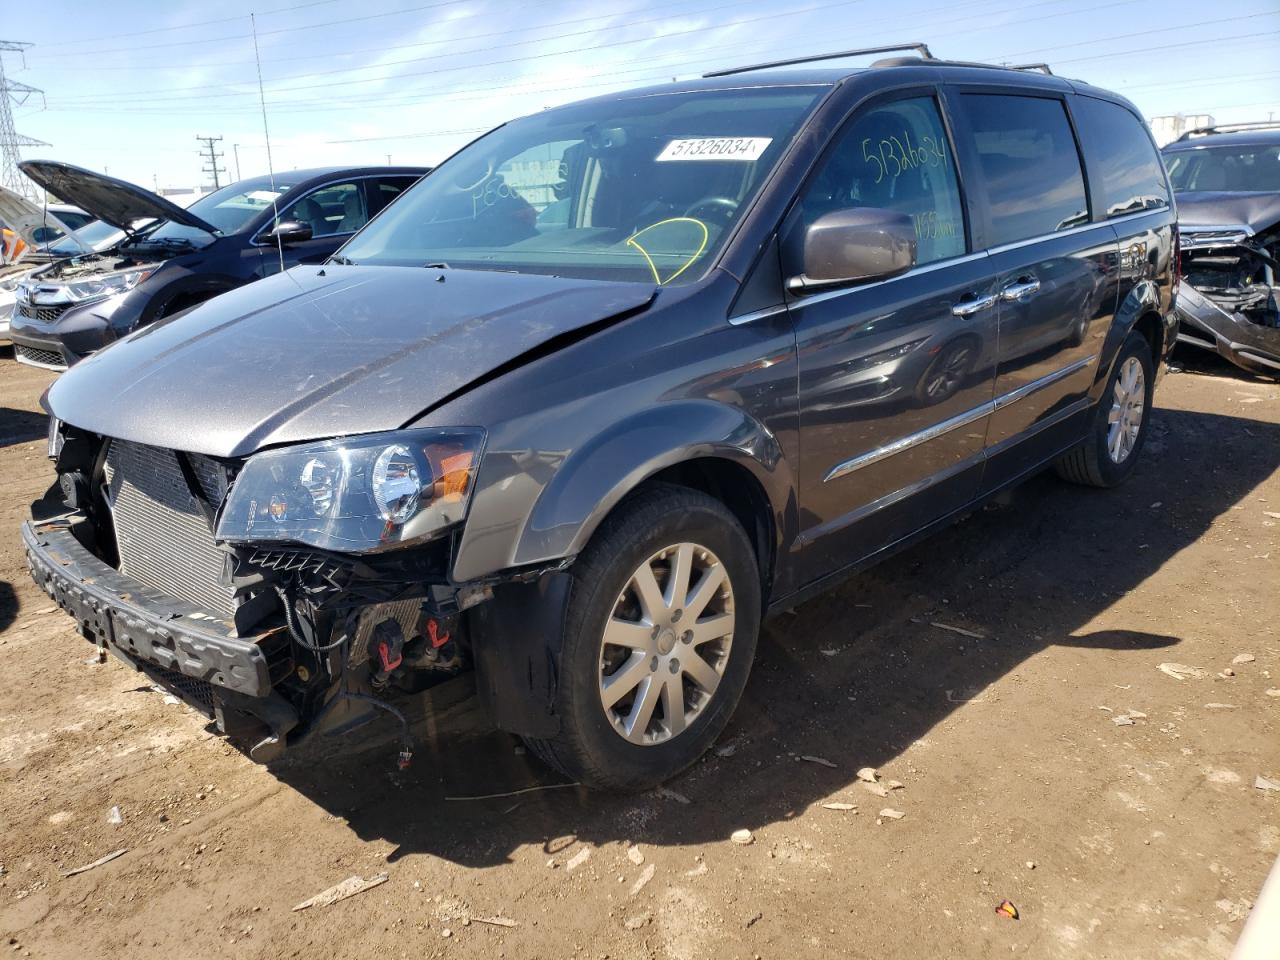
[(1016, 291), (966, 308)]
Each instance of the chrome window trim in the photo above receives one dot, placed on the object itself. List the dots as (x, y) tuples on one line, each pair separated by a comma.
[(989, 251), (758, 315), (954, 423)]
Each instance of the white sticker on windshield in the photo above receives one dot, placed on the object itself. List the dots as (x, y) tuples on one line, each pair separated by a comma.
[(716, 148), (266, 196)]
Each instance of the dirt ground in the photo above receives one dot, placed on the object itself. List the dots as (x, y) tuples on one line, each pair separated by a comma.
[(1125, 840)]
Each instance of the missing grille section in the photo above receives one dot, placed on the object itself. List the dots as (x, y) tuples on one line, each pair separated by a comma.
[(162, 537)]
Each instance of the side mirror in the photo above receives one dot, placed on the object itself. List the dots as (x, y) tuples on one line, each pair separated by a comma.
[(288, 231), (854, 246)]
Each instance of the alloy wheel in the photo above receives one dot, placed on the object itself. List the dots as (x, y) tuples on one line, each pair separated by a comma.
[(1128, 404), (665, 646)]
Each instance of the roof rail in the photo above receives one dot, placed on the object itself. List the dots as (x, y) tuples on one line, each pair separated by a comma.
[(920, 48), (1231, 128), (1037, 67)]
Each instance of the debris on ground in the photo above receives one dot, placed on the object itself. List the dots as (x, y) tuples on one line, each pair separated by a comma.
[(672, 795), (839, 805), (1007, 909), (1274, 692), (868, 775), (822, 761), (107, 859), (341, 891), (894, 784), (726, 750), (1220, 706), (1031, 864), (1180, 671), (497, 921), (636, 922), (1126, 719), (878, 789), (890, 814), (515, 793), (578, 859), (742, 837), (1263, 783), (645, 876), (960, 630), (115, 817), (828, 653), (635, 855), (1240, 658)]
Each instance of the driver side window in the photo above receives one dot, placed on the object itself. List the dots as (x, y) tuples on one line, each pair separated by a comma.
[(337, 208), (895, 156)]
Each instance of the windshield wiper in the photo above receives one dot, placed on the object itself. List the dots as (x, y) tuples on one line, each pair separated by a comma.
[(342, 261), (437, 265)]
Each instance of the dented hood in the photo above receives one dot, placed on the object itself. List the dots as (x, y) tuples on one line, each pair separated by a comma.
[(24, 218), (315, 353), (1256, 211), (116, 202)]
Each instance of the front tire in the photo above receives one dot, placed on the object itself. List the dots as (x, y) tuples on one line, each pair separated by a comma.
[(1118, 427), (660, 634)]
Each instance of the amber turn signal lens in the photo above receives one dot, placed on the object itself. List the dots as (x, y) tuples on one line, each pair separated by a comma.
[(452, 468)]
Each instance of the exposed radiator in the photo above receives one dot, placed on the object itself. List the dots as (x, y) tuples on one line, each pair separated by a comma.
[(162, 537)]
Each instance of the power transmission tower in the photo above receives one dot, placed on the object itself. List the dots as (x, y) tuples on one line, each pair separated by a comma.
[(12, 92), (208, 151)]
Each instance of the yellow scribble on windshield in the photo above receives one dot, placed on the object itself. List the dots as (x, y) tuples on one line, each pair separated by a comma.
[(702, 245)]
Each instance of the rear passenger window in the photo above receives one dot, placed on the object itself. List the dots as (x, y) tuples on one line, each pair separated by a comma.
[(895, 157), (1123, 155), (1029, 164)]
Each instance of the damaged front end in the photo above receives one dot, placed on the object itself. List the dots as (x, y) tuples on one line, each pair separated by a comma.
[(1228, 300), (296, 592)]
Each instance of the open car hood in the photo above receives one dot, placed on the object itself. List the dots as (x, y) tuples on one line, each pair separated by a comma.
[(1256, 211), (117, 202), (314, 353), (24, 218)]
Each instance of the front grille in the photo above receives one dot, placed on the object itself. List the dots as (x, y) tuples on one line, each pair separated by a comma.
[(161, 536), (198, 693), (46, 358), (42, 314)]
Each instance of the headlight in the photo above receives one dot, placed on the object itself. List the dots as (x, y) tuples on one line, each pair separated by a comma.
[(355, 495), (91, 288)]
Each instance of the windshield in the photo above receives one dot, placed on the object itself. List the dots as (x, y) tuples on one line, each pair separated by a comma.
[(626, 189), (228, 209), (1249, 169), (95, 235)]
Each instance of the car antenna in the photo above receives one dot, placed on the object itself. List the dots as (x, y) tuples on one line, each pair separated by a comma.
[(266, 132)]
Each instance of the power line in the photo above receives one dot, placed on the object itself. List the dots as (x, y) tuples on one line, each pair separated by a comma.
[(208, 151), (12, 92), (264, 33), (186, 26)]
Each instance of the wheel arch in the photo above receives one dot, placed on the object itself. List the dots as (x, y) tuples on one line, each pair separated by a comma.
[(1140, 312), (702, 444)]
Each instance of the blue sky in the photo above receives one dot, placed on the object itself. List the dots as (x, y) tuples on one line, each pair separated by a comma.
[(130, 84)]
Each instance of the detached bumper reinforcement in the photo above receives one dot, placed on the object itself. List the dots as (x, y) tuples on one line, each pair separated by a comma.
[(139, 623)]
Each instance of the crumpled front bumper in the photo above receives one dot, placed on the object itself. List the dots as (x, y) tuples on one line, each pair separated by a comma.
[(1248, 345), (138, 623)]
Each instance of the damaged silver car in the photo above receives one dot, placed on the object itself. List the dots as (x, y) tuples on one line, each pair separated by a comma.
[(1227, 182)]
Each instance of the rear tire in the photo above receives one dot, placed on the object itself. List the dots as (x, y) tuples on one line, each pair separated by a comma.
[(1118, 424), (671, 576)]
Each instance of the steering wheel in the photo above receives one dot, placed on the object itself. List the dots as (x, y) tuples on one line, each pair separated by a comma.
[(716, 208)]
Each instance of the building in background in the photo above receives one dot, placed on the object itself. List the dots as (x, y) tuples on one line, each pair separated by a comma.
[(1169, 128)]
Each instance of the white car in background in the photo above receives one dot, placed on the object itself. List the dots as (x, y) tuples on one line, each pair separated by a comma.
[(34, 236)]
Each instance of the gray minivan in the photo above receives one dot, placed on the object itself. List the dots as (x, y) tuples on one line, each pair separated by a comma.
[(614, 383)]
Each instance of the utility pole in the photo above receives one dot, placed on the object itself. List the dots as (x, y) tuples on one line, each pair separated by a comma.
[(208, 151), (12, 92), (235, 150)]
